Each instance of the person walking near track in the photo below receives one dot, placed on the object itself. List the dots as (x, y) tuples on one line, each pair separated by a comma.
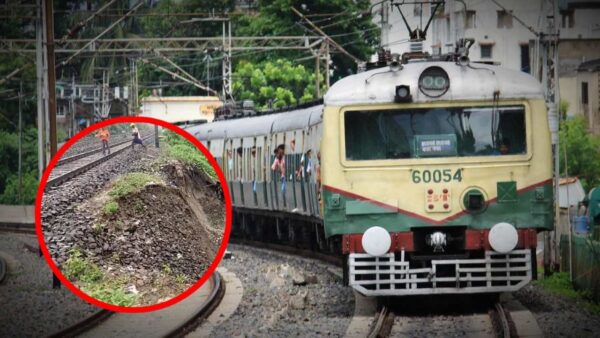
[(104, 135), (137, 138)]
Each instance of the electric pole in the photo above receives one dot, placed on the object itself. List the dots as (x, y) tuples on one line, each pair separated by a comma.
[(51, 74)]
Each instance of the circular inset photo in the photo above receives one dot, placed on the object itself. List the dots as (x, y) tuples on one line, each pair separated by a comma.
[(133, 214)]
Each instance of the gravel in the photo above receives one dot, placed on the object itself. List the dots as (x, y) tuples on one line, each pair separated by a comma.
[(30, 307), (273, 305), (559, 316)]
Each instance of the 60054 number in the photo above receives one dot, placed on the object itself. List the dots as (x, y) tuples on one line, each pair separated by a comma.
[(437, 176)]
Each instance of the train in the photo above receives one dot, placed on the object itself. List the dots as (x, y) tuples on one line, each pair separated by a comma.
[(427, 176)]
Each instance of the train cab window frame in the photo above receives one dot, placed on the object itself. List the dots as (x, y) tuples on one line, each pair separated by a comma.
[(481, 132)]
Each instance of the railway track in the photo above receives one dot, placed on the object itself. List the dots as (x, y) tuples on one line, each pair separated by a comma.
[(77, 164), (389, 323), (174, 321)]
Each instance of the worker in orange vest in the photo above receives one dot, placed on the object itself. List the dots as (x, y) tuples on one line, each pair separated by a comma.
[(104, 135)]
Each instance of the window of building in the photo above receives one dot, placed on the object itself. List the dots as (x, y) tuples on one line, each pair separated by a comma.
[(62, 110), (505, 19), (470, 20), (486, 51), (567, 19), (525, 58), (584, 93)]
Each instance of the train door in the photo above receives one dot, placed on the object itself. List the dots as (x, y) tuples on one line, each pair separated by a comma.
[(279, 183), (228, 167), (238, 170), (314, 166), (263, 171), (248, 171), (298, 172)]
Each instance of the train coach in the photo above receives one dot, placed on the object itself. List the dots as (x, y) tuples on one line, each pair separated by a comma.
[(429, 177)]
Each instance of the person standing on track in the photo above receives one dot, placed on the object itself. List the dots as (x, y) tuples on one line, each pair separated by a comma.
[(137, 138), (104, 135)]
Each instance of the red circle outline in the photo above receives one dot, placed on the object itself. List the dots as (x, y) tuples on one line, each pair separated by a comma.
[(134, 309)]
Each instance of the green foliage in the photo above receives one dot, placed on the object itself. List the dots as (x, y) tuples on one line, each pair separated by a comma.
[(9, 179), (563, 109), (111, 293), (280, 83), (179, 148), (131, 183), (111, 208), (92, 281), (560, 284), (351, 26), (583, 152), (77, 268)]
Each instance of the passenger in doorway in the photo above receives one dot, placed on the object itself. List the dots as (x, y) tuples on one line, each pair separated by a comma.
[(104, 135), (279, 165), (240, 152), (306, 165), (137, 138)]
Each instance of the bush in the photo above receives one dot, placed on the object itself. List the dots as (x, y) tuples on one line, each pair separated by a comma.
[(583, 152)]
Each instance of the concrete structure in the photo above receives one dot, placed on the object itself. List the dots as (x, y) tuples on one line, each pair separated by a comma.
[(181, 109), (582, 92)]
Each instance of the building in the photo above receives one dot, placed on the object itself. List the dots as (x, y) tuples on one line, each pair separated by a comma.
[(181, 109), (582, 92), (505, 34)]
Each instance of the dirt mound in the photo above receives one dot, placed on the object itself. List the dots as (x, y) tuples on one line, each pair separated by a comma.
[(155, 228)]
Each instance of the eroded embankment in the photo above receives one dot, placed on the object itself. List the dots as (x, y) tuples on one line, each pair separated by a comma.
[(149, 237)]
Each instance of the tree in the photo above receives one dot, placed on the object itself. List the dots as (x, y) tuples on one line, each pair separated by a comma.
[(280, 83), (349, 23), (582, 152)]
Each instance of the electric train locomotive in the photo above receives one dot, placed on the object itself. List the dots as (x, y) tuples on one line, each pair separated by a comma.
[(429, 177)]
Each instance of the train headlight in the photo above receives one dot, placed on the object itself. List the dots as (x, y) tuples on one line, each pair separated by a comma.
[(503, 237), (376, 241), (403, 94)]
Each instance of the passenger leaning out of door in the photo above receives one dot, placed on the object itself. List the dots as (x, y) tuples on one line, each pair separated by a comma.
[(104, 135), (279, 165)]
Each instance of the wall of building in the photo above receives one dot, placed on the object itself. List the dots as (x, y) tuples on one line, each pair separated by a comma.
[(180, 109)]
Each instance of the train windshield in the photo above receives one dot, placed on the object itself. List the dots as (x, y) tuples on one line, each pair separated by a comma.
[(435, 132)]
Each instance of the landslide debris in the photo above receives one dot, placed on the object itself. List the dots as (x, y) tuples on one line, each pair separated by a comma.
[(149, 238)]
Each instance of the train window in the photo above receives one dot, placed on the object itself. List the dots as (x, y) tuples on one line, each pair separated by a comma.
[(435, 132)]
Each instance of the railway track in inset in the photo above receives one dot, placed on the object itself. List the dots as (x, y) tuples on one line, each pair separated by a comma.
[(77, 164), (92, 325)]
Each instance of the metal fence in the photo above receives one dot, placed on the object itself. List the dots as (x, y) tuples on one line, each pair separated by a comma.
[(585, 262)]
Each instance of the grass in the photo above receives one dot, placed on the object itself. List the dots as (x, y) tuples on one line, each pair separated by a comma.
[(92, 281), (78, 268), (125, 185), (111, 208), (131, 183), (181, 149), (98, 227), (559, 283)]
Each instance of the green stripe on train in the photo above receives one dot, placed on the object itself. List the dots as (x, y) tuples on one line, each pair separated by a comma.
[(344, 214)]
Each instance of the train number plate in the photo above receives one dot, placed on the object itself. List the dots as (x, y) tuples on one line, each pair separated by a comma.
[(436, 176)]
